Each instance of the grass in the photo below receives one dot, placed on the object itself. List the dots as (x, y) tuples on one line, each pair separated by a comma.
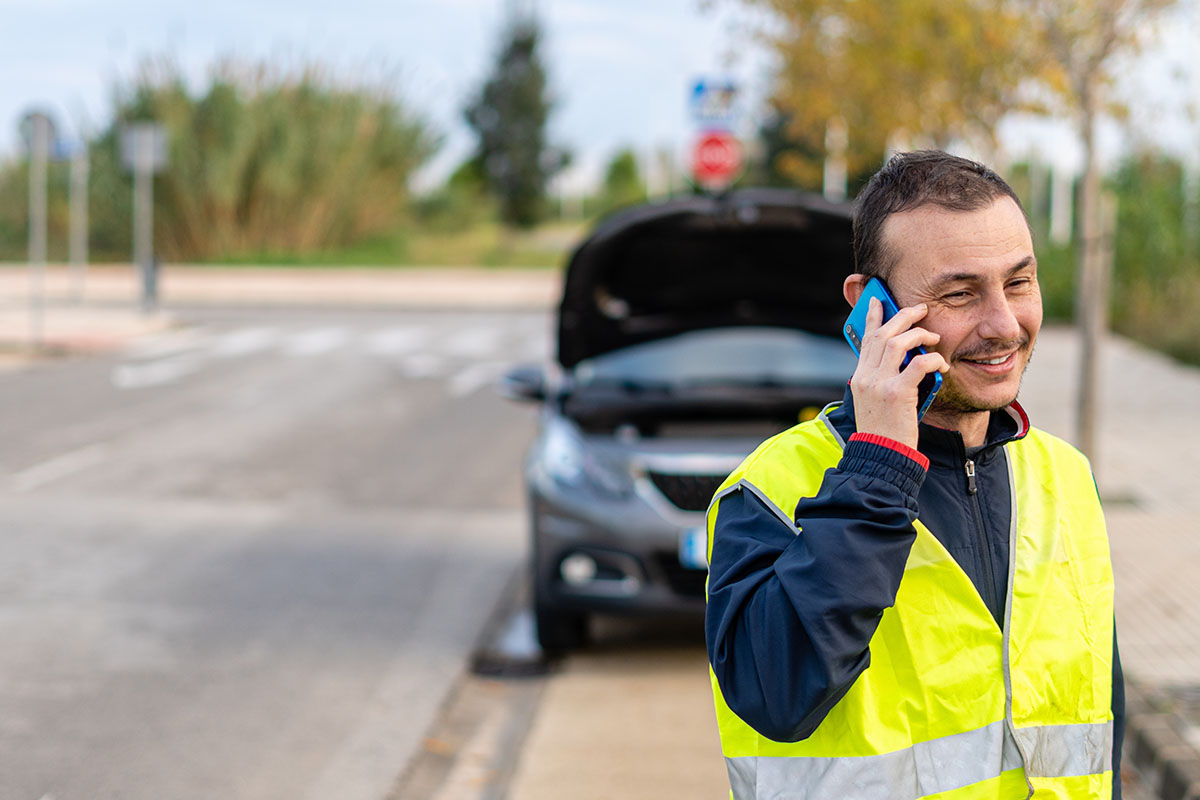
[(486, 244)]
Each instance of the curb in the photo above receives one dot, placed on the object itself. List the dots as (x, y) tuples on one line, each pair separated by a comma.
[(472, 748), (406, 287), (1156, 745), (76, 330)]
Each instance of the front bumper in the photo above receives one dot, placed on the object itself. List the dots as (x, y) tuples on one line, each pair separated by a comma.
[(634, 549)]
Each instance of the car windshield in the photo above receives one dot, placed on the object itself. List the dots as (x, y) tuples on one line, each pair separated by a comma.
[(722, 357)]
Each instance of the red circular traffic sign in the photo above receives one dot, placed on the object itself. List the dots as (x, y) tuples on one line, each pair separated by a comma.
[(716, 158)]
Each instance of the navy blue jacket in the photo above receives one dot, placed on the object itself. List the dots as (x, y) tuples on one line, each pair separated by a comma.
[(790, 617)]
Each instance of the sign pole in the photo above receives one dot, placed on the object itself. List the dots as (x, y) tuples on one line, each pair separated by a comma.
[(144, 152), (39, 154), (143, 222), (78, 243)]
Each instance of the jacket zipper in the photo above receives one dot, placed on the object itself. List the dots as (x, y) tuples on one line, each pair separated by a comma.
[(989, 574)]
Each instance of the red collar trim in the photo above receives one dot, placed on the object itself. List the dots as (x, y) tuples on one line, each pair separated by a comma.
[(1017, 413)]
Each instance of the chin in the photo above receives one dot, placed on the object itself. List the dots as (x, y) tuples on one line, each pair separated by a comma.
[(953, 399)]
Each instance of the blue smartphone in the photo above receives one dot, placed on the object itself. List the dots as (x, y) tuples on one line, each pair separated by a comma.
[(856, 324)]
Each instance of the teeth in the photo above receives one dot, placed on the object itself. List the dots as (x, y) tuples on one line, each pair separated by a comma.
[(999, 360)]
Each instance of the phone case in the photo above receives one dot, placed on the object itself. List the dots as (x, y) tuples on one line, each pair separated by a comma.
[(856, 325)]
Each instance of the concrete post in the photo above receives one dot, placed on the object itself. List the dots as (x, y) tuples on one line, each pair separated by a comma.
[(78, 244), (39, 154)]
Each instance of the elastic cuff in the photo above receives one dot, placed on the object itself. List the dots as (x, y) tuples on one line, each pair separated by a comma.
[(883, 461), (892, 444)]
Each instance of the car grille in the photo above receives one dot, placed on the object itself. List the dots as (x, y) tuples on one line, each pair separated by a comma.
[(689, 492), (683, 581)]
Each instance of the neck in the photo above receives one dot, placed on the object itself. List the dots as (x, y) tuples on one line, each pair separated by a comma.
[(972, 426)]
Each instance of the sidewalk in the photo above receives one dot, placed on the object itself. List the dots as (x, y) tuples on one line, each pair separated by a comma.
[(102, 310)]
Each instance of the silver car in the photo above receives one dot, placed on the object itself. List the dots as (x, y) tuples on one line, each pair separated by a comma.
[(689, 331)]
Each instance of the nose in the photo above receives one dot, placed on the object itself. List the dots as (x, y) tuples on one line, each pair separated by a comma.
[(999, 318)]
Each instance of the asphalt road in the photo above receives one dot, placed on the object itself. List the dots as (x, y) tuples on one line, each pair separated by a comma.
[(248, 558)]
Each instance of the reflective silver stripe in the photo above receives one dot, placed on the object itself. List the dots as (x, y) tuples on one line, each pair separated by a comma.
[(940, 765), (926, 768), (761, 495), (1060, 751), (824, 417)]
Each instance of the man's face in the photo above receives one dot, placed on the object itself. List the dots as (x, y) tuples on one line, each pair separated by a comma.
[(977, 273)]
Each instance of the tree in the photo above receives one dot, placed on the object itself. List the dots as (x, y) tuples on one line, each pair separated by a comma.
[(264, 160), (1081, 40), (919, 70), (623, 182), (509, 116), (932, 71)]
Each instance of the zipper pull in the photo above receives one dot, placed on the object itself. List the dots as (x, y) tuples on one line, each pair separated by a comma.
[(970, 467)]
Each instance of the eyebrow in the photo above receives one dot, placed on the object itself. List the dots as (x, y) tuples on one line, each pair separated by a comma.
[(953, 277)]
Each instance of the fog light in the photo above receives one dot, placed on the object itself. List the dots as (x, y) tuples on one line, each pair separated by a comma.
[(578, 569)]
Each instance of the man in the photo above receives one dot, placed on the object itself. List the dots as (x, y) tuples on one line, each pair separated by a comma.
[(900, 609)]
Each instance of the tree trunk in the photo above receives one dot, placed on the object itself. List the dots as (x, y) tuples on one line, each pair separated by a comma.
[(1091, 309)]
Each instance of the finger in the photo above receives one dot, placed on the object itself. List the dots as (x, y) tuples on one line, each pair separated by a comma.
[(904, 319), (874, 317), (923, 365), (898, 347), (875, 337)]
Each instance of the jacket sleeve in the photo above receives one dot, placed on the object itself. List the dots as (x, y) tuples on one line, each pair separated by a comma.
[(790, 614)]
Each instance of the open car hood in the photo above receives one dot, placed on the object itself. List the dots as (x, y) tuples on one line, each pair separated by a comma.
[(769, 257)]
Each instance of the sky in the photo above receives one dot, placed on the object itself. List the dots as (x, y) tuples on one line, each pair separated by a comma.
[(621, 70)]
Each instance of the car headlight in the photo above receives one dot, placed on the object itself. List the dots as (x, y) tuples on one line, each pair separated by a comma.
[(568, 460)]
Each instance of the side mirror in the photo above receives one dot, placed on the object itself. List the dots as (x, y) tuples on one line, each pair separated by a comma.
[(526, 383)]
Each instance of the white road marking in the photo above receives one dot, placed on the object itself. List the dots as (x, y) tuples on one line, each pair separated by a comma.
[(475, 376), (244, 342), (165, 344), (316, 342), (395, 341), (58, 467), (468, 356), (471, 342), (422, 365), (155, 373)]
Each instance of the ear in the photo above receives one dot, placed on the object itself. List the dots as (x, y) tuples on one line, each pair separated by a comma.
[(853, 286)]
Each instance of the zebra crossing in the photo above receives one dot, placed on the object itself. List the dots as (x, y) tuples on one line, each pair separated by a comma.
[(465, 353)]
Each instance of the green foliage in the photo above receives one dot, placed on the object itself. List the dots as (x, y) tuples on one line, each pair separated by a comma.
[(1056, 276), (784, 155), (1156, 281), (509, 117), (14, 211), (1155, 294), (623, 183), (265, 160), (461, 203)]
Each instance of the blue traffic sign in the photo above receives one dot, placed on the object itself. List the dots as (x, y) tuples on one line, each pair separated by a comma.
[(714, 103)]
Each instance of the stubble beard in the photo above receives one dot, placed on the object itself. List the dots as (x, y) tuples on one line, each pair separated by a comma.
[(951, 401)]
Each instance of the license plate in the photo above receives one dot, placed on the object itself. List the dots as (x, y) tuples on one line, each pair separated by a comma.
[(693, 548)]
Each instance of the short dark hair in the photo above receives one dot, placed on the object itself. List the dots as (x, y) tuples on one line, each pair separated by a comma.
[(915, 179)]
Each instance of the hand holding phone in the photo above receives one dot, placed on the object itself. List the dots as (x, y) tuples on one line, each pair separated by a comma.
[(885, 373)]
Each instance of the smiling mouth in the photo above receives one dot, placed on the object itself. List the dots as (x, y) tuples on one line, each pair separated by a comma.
[(990, 361)]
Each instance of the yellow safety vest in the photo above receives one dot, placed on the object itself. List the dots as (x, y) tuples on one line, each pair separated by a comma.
[(951, 706)]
